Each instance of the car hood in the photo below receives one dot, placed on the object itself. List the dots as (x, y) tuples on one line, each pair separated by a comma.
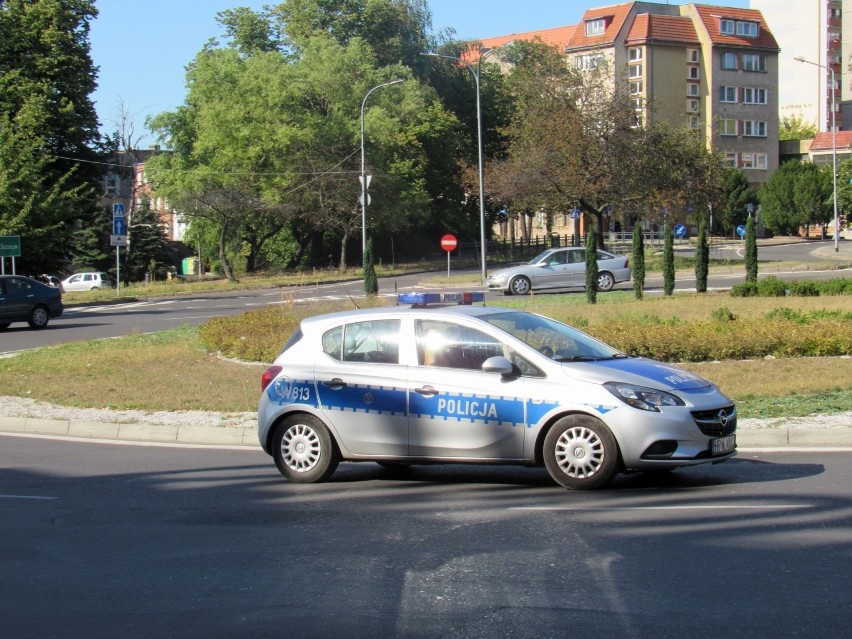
[(512, 270), (637, 370)]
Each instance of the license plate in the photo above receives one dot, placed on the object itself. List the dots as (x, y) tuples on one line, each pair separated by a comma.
[(723, 445)]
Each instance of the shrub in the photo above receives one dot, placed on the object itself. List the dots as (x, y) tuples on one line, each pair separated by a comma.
[(804, 289), (723, 314), (746, 289), (771, 287)]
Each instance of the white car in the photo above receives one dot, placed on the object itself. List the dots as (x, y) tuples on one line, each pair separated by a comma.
[(86, 282), (560, 268), (436, 384)]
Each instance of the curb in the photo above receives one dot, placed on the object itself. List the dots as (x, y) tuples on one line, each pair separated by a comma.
[(247, 435)]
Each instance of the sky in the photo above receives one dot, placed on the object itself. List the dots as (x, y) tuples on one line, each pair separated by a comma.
[(143, 46)]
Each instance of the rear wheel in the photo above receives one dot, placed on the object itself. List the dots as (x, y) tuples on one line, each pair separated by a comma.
[(303, 449), (580, 452), (39, 317), (605, 281), (519, 285)]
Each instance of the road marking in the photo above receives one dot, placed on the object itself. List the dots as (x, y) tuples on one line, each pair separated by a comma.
[(39, 497), (688, 507)]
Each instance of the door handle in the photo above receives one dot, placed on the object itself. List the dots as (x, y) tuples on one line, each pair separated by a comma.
[(335, 384), (427, 390)]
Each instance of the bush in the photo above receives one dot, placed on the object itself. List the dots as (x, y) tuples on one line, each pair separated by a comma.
[(804, 289), (723, 314), (746, 289), (771, 287)]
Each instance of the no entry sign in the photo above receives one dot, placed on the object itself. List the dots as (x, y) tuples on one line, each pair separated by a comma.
[(449, 242)]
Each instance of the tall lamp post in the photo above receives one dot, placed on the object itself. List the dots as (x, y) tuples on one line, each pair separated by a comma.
[(483, 51), (833, 146), (363, 170)]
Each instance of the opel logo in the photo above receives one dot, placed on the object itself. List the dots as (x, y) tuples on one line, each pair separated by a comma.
[(723, 417)]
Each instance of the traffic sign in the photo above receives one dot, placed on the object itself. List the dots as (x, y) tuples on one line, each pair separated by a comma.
[(118, 240), (449, 242), (10, 246), (118, 210), (741, 230), (119, 226), (680, 230), (575, 214)]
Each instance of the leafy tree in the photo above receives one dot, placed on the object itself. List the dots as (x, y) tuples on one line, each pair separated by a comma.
[(794, 127), (702, 258), (668, 261), (371, 282), (147, 249), (638, 259), (750, 251), (48, 127), (739, 194), (777, 198), (813, 194), (591, 267)]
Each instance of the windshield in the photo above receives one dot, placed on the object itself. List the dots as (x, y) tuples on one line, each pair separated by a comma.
[(557, 341)]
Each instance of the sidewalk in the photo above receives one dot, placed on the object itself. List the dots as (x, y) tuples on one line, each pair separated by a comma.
[(797, 436)]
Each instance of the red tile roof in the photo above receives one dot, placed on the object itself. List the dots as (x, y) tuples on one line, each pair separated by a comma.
[(825, 141), (558, 37), (614, 17), (710, 16), (657, 28)]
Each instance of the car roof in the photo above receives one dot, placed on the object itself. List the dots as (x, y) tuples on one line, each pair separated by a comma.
[(447, 311)]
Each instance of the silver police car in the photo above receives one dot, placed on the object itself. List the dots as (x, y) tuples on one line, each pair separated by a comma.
[(427, 382)]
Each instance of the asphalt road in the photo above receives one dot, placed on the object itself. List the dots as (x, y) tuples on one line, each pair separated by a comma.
[(115, 320), (116, 540)]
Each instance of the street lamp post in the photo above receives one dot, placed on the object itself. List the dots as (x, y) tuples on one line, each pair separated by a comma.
[(363, 171), (476, 71), (833, 147)]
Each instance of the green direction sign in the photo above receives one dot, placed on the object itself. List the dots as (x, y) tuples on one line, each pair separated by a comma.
[(10, 246)]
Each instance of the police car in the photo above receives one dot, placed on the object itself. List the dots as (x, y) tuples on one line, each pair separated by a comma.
[(431, 382)]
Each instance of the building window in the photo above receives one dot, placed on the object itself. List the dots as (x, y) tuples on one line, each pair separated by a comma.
[(692, 56), (693, 89), (694, 122), (693, 73), (111, 186), (727, 27), (634, 71), (727, 94), (728, 127), (754, 62), (634, 54), (636, 88), (754, 161), (729, 61), (754, 128), (753, 95), (731, 158), (637, 104), (595, 27), (835, 13), (747, 29), (589, 61), (692, 106)]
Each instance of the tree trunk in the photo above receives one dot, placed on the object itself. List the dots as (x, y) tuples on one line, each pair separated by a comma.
[(223, 256), (342, 266)]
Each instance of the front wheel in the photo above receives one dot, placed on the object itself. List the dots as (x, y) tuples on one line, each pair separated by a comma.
[(580, 452), (304, 451), (39, 317), (519, 285), (605, 281)]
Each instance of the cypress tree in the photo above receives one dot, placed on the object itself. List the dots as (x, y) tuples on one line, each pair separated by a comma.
[(638, 258), (371, 282), (750, 251), (668, 261), (591, 266), (702, 258)]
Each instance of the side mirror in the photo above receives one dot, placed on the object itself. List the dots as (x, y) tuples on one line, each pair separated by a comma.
[(499, 365)]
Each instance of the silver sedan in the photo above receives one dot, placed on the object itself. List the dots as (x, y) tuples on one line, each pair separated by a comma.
[(560, 268)]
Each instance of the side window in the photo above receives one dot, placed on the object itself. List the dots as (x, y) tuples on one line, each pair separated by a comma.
[(454, 346), (375, 341), (332, 341), (76, 278)]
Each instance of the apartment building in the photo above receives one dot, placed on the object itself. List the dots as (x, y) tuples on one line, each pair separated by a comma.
[(813, 30), (711, 68)]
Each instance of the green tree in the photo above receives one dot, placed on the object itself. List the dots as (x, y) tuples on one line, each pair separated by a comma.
[(48, 127), (702, 258), (738, 195), (813, 194), (147, 250), (750, 251), (794, 127), (638, 261), (371, 282), (591, 267), (668, 261), (778, 200)]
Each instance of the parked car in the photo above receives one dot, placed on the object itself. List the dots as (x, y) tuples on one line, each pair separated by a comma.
[(23, 299), (86, 282), (559, 268), (439, 384)]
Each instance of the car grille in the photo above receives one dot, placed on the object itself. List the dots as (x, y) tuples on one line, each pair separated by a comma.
[(717, 422)]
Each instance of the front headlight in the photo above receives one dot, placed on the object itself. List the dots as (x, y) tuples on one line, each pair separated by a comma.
[(497, 278), (643, 398)]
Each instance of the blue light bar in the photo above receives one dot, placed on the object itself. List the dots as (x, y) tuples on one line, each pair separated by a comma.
[(423, 299)]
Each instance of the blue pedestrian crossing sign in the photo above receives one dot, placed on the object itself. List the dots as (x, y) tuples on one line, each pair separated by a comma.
[(118, 210)]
